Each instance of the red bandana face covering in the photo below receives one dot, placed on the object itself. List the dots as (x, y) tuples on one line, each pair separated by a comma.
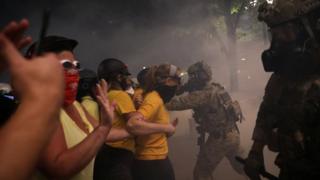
[(71, 77)]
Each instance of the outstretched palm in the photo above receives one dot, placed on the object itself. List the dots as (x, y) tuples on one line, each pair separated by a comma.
[(106, 108)]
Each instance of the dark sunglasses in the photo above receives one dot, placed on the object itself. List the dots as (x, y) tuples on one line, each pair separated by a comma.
[(67, 64)]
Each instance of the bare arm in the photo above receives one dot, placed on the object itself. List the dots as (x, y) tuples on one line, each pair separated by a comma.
[(116, 134), (31, 126), (60, 162), (19, 134), (136, 125), (140, 127)]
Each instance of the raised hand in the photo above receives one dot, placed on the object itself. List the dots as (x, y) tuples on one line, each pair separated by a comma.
[(39, 79), (14, 31), (106, 108)]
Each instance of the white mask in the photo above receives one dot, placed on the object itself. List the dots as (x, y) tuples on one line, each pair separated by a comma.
[(130, 90)]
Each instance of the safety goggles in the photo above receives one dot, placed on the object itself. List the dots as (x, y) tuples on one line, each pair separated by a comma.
[(67, 64)]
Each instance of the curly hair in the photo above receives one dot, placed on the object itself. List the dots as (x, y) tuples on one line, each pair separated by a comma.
[(156, 76)]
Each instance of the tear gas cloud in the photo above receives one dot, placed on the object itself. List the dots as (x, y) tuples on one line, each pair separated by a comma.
[(147, 32)]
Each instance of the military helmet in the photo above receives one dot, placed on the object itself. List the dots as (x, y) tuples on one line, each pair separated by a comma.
[(282, 11), (200, 68)]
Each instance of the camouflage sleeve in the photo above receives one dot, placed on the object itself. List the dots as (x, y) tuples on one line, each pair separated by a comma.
[(267, 116), (188, 101)]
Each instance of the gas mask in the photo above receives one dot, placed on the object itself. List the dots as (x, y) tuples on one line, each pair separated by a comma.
[(196, 81), (292, 57)]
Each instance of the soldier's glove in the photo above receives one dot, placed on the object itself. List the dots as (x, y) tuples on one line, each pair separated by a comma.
[(254, 163)]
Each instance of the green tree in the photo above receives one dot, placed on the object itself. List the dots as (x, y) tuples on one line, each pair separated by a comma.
[(230, 11)]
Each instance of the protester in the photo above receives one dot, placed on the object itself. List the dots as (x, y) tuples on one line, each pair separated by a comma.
[(86, 92), (151, 157), (70, 152)]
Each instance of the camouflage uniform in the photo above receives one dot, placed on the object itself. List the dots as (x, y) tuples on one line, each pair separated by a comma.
[(216, 115), (288, 117), (286, 122)]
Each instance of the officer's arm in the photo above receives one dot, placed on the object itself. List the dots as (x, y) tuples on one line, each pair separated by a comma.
[(267, 115), (188, 101)]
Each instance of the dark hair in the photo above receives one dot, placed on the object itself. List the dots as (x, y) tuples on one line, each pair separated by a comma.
[(155, 76), (108, 69), (88, 81), (141, 77)]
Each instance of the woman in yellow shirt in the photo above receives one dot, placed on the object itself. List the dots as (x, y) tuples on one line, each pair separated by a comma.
[(86, 92), (70, 151), (151, 156)]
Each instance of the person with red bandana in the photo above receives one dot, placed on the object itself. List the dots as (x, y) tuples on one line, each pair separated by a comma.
[(70, 152)]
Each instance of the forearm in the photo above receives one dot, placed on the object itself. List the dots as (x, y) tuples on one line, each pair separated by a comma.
[(116, 134), (186, 102), (30, 126), (76, 158), (175, 105), (140, 127)]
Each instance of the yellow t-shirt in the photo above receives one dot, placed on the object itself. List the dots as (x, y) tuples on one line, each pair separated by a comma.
[(124, 105), (91, 106), (154, 146)]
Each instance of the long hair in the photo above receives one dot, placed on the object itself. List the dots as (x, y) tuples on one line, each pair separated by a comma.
[(155, 76), (150, 80)]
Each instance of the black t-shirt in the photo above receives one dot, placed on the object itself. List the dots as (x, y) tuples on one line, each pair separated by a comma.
[(7, 107)]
